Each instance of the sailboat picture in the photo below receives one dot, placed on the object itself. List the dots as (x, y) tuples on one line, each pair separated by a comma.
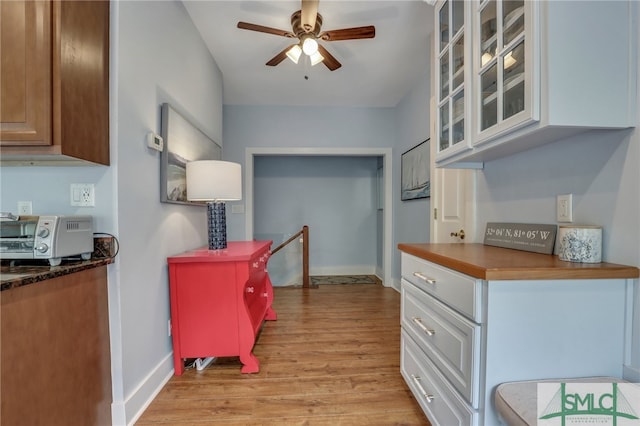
[(415, 172)]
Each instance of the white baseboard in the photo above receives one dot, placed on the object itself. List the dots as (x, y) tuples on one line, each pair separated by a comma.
[(127, 412), (631, 373), (395, 283)]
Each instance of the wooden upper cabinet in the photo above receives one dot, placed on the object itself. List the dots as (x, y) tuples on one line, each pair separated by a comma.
[(55, 82), (25, 73)]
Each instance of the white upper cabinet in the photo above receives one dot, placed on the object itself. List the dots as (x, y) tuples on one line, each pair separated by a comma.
[(542, 71), (453, 51), (503, 69)]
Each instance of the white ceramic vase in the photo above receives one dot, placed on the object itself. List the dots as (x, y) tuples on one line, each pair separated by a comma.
[(580, 243)]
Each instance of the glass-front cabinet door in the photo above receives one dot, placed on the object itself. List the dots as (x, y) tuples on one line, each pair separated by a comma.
[(451, 134), (503, 72)]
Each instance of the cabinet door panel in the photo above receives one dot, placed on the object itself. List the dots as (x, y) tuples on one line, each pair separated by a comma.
[(512, 20), (25, 73), (451, 341), (513, 87), (82, 108), (444, 25), (488, 33), (437, 398), (489, 110)]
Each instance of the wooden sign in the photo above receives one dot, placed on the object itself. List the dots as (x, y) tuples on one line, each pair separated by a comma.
[(537, 238)]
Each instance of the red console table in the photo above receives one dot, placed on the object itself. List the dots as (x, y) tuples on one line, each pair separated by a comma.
[(219, 299)]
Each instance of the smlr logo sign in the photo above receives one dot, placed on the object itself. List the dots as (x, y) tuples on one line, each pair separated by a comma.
[(577, 404)]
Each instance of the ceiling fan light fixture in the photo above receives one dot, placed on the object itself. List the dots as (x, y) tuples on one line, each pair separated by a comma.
[(309, 46), (316, 58), (294, 53)]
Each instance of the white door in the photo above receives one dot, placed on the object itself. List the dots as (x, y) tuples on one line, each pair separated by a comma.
[(453, 195), (453, 205)]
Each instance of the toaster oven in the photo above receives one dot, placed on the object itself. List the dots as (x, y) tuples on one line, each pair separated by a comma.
[(50, 238)]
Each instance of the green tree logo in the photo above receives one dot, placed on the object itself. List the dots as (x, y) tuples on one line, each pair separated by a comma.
[(588, 405)]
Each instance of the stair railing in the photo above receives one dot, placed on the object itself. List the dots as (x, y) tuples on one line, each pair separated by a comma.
[(304, 232)]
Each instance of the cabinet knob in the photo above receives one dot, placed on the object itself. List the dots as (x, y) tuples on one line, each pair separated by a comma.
[(458, 234)]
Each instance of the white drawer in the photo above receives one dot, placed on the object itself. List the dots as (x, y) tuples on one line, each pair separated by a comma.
[(457, 290), (450, 340), (441, 404)]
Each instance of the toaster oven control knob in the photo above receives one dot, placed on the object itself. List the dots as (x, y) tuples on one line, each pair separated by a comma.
[(42, 248), (43, 232)]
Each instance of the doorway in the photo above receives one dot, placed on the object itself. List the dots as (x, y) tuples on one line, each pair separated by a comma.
[(384, 153)]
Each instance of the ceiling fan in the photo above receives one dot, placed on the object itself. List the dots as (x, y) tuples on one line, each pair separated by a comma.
[(306, 26)]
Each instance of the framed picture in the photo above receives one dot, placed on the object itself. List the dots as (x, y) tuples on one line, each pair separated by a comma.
[(415, 172), (183, 142)]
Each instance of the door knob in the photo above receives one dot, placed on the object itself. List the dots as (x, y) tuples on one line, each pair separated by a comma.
[(458, 234)]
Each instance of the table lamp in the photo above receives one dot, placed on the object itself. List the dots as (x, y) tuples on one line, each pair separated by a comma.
[(215, 182)]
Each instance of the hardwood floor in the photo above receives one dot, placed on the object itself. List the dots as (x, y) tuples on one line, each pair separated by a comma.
[(331, 358)]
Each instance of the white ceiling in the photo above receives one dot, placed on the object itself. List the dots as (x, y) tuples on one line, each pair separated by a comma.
[(375, 72)]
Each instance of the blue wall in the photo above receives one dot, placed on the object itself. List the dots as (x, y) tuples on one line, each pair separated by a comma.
[(335, 196)]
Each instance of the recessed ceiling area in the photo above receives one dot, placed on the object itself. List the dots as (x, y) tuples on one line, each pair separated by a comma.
[(375, 72)]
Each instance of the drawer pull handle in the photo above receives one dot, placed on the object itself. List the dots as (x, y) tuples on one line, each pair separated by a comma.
[(429, 397), (418, 321), (424, 278)]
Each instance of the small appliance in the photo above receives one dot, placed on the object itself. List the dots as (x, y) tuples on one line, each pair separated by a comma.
[(50, 237)]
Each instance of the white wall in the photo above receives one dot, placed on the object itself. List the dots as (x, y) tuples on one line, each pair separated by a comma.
[(156, 56), (602, 171), (302, 127), (411, 220), (160, 58)]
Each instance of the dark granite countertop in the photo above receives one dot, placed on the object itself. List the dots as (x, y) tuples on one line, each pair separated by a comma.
[(22, 272)]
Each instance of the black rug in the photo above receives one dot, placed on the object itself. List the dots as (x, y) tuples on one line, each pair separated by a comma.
[(344, 279)]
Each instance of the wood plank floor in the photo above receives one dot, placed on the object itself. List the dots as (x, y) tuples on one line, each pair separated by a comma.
[(331, 358)]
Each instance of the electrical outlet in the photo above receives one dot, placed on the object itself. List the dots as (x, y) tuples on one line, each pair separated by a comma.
[(83, 194), (564, 208), (25, 207)]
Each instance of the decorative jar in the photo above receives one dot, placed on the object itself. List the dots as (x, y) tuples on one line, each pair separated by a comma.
[(580, 243)]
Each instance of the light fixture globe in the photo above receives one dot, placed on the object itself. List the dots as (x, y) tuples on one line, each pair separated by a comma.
[(309, 46), (294, 53)]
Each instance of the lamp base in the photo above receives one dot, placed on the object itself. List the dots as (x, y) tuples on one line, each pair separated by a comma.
[(217, 225)]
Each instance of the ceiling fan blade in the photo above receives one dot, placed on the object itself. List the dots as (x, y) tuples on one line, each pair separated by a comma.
[(349, 33), (263, 29), (279, 57), (309, 14), (331, 62)]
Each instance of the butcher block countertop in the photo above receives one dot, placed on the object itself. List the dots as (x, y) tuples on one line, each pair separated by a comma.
[(496, 263)]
